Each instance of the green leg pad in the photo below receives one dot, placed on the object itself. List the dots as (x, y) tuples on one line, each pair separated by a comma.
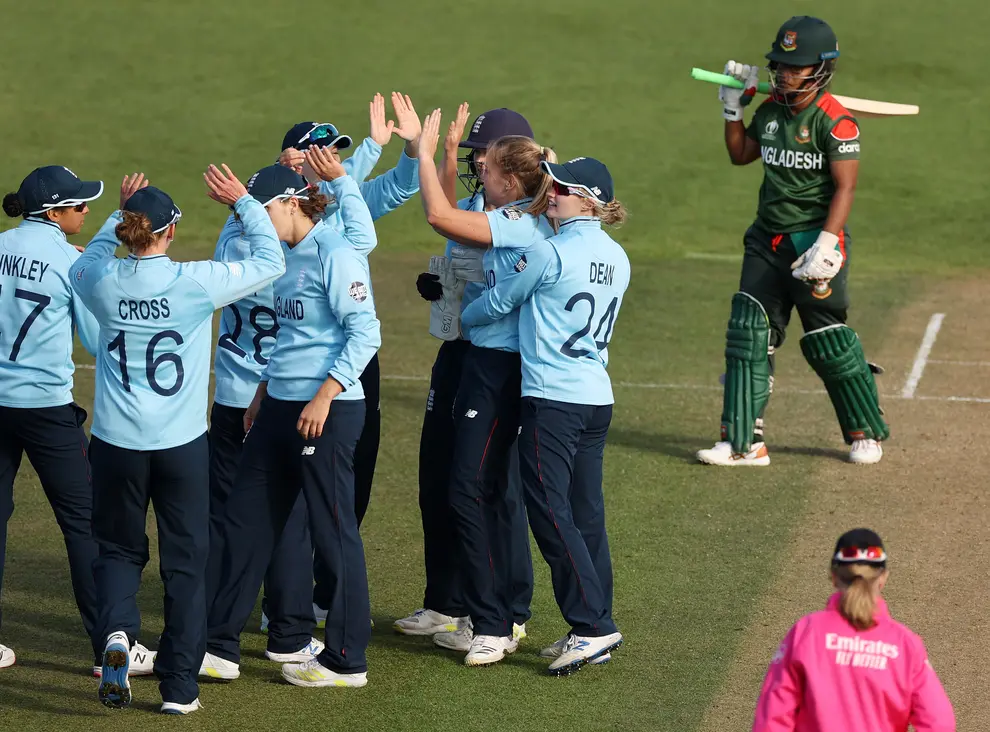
[(747, 371), (836, 355)]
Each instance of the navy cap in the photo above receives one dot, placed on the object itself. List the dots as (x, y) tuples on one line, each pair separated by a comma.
[(55, 186), (277, 182), (587, 174), (321, 134), (860, 546), (157, 205), (494, 124)]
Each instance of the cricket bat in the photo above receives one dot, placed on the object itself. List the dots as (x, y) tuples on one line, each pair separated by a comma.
[(862, 107)]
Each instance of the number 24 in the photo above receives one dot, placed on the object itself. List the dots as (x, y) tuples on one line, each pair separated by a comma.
[(568, 348)]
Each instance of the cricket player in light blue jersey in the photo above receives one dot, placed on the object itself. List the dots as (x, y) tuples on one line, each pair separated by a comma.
[(38, 315), (454, 281), (567, 294), (247, 335), (302, 428), (149, 428), (486, 409)]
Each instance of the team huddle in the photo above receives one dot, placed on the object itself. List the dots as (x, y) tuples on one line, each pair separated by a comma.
[(268, 495)]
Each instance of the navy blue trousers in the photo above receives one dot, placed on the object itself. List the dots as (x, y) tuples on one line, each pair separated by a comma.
[(289, 579), (486, 422), (561, 452), (276, 464), (176, 481), (365, 460), (56, 445)]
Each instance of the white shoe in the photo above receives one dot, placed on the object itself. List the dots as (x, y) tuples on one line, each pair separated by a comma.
[(7, 657), (264, 623), (581, 650), (865, 452), (557, 649), (488, 649), (321, 616), (115, 688), (455, 640), (312, 650), (214, 667), (518, 631), (176, 708), (722, 454), (313, 673), (429, 622), (142, 662)]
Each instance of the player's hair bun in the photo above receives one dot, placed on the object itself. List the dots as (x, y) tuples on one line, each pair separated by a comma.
[(134, 232), (12, 205)]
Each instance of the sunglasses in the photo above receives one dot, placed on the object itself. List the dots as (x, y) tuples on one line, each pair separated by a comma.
[(861, 554), (562, 190), (322, 131)]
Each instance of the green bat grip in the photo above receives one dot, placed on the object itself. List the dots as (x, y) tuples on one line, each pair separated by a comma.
[(724, 80)]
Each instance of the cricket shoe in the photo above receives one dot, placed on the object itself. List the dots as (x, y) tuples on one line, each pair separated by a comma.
[(214, 667), (557, 650), (312, 673), (865, 452), (115, 687), (429, 622), (142, 662), (312, 650), (581, 650), (176, 708), (7, 657), (488, 649), (722, 454), (455, 640)]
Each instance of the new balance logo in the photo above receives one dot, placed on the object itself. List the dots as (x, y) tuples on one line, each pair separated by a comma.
[(471, 413), (141, 658), (581, 645), (308, 450)]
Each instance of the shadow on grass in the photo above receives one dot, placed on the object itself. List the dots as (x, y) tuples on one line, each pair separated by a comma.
[(825, 452), (680, 446), (22, 692)]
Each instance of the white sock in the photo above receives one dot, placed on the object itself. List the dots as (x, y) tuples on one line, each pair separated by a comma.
[(121, 637)]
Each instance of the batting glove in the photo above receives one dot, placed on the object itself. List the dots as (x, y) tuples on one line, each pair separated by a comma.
[(821, 262), (733, 100)]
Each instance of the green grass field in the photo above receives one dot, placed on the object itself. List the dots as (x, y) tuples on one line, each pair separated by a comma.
[(112, 87)]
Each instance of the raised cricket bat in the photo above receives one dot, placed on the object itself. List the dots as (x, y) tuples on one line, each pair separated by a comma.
[(862, 107)]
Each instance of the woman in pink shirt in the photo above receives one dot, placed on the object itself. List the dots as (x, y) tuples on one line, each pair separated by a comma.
[(851, 667)]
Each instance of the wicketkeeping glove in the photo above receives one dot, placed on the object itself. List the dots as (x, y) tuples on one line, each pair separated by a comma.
[(429, 287), (445, 312), (466, 263), (733, 100), (821, 262)]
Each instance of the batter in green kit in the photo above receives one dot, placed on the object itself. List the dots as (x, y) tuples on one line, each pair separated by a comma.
[(797, 251)]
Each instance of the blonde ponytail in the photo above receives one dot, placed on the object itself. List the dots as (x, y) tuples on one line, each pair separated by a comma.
[(857, 583), (612, 213)]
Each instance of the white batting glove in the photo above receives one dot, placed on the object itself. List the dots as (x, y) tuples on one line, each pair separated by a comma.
[(821, 262), (445, 313), (733, 100), (466, 263)]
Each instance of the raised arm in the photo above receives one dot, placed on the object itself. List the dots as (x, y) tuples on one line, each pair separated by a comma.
[(448, 165), (359, 230), (470, 228)]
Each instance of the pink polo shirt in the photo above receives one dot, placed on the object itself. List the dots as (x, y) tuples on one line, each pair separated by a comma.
[(829, 677)]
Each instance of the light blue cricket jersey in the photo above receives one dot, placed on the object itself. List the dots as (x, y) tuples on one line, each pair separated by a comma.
[(38, 313), (513, 230), (326, 318), (568, 295), (155, 315), (249, 326), (382, 194)]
